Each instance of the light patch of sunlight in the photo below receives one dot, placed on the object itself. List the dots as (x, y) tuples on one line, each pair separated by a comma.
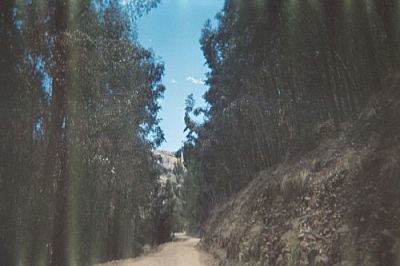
[(293, 6), (26, 241), (21, 256), (22, 261), (96, 250), (292, 3), (348, 6), (21, 248), (73, 243), (75, 173), (73, 230), (347, 11), (72, 9)]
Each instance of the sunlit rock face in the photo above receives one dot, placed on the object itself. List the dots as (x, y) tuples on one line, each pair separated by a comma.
[(167, 161)]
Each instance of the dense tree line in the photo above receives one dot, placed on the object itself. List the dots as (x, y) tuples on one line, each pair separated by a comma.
[(278, 70), (78, 179)]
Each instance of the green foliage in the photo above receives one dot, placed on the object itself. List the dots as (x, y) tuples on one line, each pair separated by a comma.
[(163, 206), (79, 102), (278, 69), (191, 207), (179, 219)]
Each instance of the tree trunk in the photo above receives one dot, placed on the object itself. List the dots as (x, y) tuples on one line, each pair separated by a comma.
[(53, 151), (388, 11)]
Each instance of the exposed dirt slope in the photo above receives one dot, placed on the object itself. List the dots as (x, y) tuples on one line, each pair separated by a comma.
[(180, 253), (338, 204)]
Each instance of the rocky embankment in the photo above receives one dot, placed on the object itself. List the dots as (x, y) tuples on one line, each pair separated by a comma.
[(338, 204)]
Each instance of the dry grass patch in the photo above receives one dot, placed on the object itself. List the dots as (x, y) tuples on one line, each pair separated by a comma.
[(295, 182), (354, 161)]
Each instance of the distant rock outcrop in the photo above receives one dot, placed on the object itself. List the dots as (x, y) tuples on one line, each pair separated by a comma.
[(167, 161)]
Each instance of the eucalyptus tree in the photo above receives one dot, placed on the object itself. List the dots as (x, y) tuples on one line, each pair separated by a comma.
[(22, 110), (11, 133), (279, 69), (79, 120)]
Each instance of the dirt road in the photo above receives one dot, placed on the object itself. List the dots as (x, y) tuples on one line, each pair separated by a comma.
[(179, 253)]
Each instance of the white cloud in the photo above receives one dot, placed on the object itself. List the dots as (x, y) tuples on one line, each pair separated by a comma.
[(173, 81), (195, 81)]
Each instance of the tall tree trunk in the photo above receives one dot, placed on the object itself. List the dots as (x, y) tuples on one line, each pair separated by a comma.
[(59, 236), (388, 10), (7, 144), (115, 237), (57, 124), (368, 42)]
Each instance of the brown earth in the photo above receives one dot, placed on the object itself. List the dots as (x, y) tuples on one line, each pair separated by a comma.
[(183, 252)]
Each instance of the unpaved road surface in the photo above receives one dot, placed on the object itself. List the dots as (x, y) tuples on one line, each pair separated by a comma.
[(180, 253)]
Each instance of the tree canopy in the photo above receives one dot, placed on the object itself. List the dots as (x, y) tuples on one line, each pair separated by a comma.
[(79, 103), (278, 71)]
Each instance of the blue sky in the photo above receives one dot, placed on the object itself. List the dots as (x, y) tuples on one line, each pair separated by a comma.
[(172, 31)]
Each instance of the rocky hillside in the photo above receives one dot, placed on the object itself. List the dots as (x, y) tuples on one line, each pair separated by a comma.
[(167, 161), (338, 204)]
